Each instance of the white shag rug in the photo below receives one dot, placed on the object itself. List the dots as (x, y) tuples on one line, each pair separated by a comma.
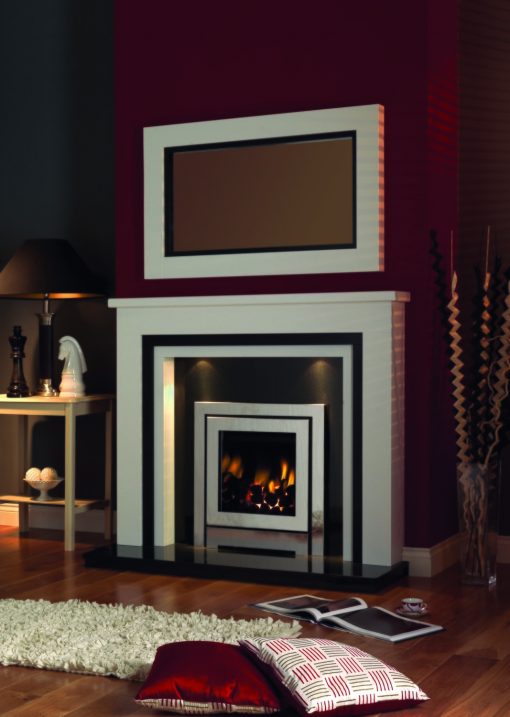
[(114, 640)]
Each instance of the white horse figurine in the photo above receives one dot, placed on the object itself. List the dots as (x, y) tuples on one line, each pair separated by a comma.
[(71, 385)]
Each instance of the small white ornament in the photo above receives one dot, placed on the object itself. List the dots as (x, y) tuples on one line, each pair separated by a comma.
[(71, 385), (49, 474), (33, 474)]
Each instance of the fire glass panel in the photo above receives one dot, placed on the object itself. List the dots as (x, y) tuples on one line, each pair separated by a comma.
[(257, 472)]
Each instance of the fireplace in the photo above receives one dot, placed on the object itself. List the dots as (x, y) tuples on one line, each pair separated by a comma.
[(350, 527), (259, 477)]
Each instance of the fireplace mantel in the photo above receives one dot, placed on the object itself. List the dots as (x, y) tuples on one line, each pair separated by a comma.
[(378, 317)]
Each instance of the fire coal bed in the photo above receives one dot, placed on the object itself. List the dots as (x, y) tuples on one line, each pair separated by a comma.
[(257, 473), (259, 478)]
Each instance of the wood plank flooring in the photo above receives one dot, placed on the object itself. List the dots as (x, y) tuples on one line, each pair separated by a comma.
[(465, 670)]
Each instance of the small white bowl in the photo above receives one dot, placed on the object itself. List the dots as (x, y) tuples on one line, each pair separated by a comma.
[(43, 486)]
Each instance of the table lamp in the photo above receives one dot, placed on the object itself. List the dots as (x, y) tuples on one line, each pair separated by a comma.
[(47, 269)]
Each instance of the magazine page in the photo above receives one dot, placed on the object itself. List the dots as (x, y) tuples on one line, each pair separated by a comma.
[(311, 607), (381, 623), (338, 607)]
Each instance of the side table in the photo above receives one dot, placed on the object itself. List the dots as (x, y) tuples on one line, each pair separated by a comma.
[(69, 409)]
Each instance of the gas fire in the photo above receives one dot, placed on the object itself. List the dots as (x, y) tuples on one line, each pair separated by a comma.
[(264, 490)]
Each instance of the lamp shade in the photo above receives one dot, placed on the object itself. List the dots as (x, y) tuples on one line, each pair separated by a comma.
[(47, 268)]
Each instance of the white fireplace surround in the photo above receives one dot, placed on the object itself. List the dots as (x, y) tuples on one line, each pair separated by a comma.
[(377, 316)]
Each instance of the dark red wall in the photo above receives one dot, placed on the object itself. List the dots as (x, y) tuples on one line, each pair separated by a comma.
[(190, 61), (484, 163)]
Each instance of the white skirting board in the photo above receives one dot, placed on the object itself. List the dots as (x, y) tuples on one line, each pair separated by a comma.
[(52, 518), (427, 562)]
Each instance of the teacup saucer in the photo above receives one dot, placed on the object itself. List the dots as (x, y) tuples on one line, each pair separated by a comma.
[(412, 613)]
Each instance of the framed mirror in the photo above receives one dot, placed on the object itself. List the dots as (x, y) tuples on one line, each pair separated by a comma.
[(296, 193)]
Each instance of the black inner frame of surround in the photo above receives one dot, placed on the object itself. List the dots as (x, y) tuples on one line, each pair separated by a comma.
[(149, 343), (169, 203), (266, 380)]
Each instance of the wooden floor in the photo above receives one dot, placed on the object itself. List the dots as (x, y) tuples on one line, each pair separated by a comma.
[(465, 670)]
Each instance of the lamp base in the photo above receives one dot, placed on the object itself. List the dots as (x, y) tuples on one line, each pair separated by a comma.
[(45, 388), (18, 391)]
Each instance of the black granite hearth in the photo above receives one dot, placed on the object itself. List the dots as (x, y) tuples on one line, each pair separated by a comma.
[(248, 566)]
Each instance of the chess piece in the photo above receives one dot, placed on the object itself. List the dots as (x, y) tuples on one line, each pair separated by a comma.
[(18, 387), (71, 385)]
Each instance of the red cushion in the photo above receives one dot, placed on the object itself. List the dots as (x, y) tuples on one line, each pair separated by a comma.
[(202, 677)]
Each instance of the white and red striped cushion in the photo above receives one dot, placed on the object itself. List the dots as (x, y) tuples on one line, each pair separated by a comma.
[(332, 678)]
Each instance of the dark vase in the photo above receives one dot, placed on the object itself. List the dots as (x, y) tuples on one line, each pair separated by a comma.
[(478, 494)]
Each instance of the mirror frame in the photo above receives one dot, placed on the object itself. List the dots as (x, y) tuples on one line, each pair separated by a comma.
[(367, 125)]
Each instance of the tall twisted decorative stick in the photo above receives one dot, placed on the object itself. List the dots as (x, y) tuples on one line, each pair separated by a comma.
[(461, 423), (449, 314), (500, 387), (482, 387), (481, 397)]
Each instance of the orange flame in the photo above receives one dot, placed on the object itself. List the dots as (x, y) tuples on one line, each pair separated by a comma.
[(262, 476), (285, 468), (232, 465)]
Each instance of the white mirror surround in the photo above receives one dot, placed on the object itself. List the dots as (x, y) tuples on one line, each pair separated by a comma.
[(365, 123)]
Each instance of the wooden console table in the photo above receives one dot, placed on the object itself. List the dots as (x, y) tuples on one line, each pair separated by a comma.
[(69, 409)]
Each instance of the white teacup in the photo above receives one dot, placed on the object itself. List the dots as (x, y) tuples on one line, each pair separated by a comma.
[(413, 604)]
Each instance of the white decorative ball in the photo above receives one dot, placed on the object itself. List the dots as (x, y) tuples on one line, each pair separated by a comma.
[(49, 474), (33, 474)]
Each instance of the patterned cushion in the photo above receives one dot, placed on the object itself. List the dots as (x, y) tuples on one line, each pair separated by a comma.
[(201, 677), (332, 678)]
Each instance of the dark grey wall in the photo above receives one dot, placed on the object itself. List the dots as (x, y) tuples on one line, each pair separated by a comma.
[(57, 180)]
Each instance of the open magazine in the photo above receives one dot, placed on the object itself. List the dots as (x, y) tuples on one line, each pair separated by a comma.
[(351, 614)]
